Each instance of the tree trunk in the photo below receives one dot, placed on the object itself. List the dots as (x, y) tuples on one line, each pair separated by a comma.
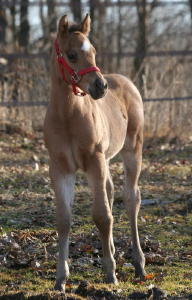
[(3, 24), (92, 8), (141, 47), (76, 10), (13, 23), (190, 5), (119, 36), (42, 19), (100, 34), (52, 18), (24, 24)]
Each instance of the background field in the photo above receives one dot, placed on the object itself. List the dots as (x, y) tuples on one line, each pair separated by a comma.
[(149, 41), (28, 239)]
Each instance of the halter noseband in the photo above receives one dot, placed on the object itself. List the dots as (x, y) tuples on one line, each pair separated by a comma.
[(75, 76)]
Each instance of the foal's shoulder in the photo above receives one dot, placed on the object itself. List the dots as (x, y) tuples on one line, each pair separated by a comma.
[(123, 85), (115, 80)]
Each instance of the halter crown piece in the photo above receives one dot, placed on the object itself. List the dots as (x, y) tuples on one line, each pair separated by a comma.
[(74, 76)]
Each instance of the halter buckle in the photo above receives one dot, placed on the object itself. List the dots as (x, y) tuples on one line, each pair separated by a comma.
[(75, 77)]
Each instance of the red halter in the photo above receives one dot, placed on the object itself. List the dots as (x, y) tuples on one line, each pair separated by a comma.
[(75, 76)]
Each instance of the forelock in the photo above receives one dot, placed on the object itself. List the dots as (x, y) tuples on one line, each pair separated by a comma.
[(74, 27)]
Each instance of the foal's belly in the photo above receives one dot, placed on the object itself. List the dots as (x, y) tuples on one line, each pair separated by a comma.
[(106, 134), (116, 118), (117, 135)]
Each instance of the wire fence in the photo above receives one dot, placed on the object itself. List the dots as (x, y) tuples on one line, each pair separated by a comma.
[(45, 103), (123, 54), (45, 56)]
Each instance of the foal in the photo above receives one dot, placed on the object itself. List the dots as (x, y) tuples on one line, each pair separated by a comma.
[(91, 118)]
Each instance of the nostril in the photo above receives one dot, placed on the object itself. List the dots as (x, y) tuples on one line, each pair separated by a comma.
[(105, 85), (100, 84)]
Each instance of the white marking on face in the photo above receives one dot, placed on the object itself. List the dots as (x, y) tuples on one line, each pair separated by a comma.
[(86, 46)]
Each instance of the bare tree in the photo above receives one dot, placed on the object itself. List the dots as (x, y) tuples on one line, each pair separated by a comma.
[(190, 5), (24, 24), (3, 24), (144, 10), (92, 9), (141, 46), (48, 22), (42, 18), (76, 9), (13, 23), (100, 41), (119, 35), (52, 18)]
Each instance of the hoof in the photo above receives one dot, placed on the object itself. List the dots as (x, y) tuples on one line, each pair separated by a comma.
[(139, 270), (140, 273), (60, 286), (112, 279)]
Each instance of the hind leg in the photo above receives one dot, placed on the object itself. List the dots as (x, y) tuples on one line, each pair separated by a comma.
[(132, 158)]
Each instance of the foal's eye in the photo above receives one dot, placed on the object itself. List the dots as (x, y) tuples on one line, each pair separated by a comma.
[(72, 56)]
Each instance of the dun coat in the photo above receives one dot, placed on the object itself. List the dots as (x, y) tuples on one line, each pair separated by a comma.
[(85, 133)]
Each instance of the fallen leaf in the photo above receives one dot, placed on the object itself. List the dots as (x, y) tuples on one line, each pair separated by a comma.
[(87, 248), (68, 286), (149, 276)]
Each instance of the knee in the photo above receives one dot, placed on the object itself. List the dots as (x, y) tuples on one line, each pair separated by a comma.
[(138, 196), (103, 220), (133, 197), (63, 221)]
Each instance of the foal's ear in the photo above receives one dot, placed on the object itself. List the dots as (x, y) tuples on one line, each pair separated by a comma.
[(86, 25), (63, 25)]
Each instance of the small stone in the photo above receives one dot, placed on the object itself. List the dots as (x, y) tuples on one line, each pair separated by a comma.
[(143, 220), (128, 265), (36, 166), (159, 221), (15, 246), (35, 158), (35, 264)]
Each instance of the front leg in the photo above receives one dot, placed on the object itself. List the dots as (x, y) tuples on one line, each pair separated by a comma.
[(63, 184), (102, 216), (110, 195)]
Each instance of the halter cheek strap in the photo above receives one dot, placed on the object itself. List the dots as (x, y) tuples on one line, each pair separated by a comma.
[(75, 77)]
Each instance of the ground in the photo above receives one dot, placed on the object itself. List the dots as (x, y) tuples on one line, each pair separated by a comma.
[(28, 240)]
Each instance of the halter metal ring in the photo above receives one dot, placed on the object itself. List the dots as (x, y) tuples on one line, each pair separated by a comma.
[(75, 77)]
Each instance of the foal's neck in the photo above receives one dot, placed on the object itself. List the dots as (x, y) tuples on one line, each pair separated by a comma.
[(63, 97)]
